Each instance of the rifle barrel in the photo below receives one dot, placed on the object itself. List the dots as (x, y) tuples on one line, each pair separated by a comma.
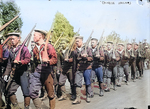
[(6, 24)]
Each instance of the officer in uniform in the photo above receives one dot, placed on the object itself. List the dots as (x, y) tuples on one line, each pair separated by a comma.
[(82, 64), (21, 75), (42, 74), (98, 62)]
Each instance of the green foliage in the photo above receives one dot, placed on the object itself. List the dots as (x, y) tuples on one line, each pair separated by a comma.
[(114, 37), (8, 11), (61, 25)]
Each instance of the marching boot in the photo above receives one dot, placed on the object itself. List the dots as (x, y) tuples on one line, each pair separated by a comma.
[(58, 91), (45, 96), (64, 96), (37, 103), (26, 102), (78, 94), (73, 91), (14, 102), (127, 78), (52, 103), (42, 93), (101, 90), (114, 83), (108, 85), (55, 90), (88, 100), (8, 102)]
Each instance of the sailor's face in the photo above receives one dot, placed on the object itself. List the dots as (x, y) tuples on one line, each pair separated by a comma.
[(93, 43), (120, 47), (14, 40), (136, 47), (79, 42), (109, 46), (37, 36), (128, 46), (104, 47)]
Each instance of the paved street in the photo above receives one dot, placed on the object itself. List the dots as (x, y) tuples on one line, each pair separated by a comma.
[(136, 94)]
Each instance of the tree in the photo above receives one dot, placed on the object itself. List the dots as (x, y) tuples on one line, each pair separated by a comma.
[(61, 25), (8, 10), (113, 36)]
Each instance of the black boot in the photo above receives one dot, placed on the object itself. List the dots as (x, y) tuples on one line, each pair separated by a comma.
[(8, 102), (58, 91), (42, 93), (73, 91), (101, 90)]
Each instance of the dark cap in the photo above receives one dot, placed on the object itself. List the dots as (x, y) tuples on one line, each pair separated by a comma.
[(79, 37), (94, 39), (14, 34), (110, 42), (121, 44)]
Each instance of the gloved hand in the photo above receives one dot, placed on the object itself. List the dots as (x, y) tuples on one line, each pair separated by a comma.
[(58, 72), (6, 78)]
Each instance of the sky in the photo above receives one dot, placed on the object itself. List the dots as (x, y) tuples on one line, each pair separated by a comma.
[(131, 20)]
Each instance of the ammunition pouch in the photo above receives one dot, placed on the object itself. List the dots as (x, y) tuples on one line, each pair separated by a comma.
[(98, 63), (45, 64), (84, 62)]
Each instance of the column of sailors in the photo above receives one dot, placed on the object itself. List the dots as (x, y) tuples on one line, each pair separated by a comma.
[(105, 66)]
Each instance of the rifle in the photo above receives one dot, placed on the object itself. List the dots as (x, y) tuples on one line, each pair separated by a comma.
[(6, 24), (18, 59), (140, 49), (58, 39), (143, 48), (87, 42), (71, 45), (30, 36), (114, 48), (8, 38), (99, 44), (133, 43), (125, 48), (45, 54)]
